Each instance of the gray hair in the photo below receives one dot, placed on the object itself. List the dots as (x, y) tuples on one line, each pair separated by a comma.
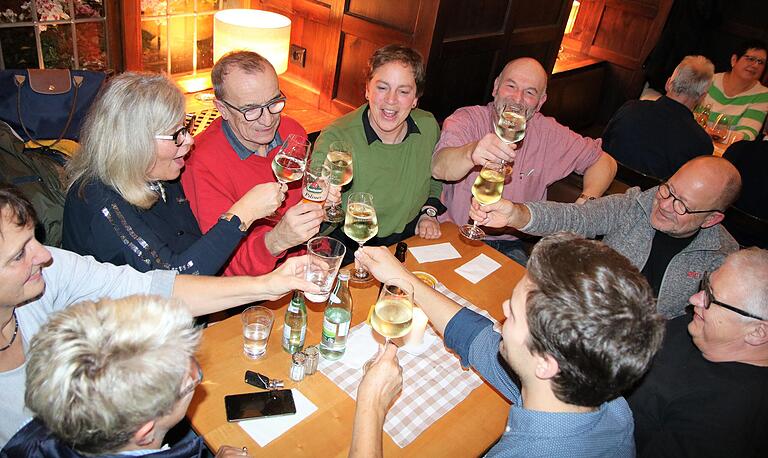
[(752, 265), (692, 77), (248, 61), (117, 145), (98, 371)]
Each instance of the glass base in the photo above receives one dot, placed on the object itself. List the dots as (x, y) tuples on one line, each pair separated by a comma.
[(334, 215), (360, 276), (472, 232)]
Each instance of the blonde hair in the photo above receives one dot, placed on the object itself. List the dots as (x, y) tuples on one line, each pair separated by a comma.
[(98, 371), (117, 145)]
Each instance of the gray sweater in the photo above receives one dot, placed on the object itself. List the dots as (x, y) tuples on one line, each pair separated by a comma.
[(624, 221)]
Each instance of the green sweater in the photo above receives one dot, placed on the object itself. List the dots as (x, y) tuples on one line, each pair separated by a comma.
[(399, 176)]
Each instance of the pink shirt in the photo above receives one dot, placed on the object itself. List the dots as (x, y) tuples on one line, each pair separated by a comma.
[(549, 152)]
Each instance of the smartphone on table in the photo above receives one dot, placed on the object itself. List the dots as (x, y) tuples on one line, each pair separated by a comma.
[(258, 405)]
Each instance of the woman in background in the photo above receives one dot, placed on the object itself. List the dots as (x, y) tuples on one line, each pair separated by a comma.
[(125, 204)]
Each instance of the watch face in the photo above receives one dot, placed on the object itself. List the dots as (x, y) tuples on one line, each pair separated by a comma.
[(431, 212)]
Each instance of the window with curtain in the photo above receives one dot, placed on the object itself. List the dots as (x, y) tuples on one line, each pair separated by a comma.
[(55, 34)]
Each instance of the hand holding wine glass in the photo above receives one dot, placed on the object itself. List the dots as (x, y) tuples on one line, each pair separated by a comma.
[(393, 313), (361, 225), (289, 162), (487, 189), (339, 161)]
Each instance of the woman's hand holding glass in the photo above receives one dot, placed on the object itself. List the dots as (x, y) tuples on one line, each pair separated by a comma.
[(259, 202), (361, 225), (339, 161)]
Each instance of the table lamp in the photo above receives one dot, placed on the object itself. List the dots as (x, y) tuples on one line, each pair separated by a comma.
[(263, 32)]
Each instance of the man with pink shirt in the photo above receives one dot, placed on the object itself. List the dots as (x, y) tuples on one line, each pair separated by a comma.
[(549, 152)]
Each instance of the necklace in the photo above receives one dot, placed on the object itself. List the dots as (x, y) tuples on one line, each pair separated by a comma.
[(15, 332)]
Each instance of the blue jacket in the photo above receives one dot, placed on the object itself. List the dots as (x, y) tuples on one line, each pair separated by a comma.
[(34, 440)]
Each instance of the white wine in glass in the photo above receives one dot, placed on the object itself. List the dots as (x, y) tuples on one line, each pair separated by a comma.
[(393, 313), (361, 225), (289, 162), (339, 161), (510, 127), (487, 189)]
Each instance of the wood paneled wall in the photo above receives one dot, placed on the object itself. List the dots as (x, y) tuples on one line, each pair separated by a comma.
[(465, 44)]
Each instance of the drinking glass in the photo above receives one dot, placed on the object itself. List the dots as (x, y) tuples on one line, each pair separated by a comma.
[(257, 326), (720, 129), (339, 161), (289, 162), (361, 225), (510, 126), (316, 182), (325, 255), (393, 313), (487, 189)]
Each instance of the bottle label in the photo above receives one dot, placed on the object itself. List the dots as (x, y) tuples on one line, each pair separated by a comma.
[(294, 308), (334, 299), (287, 334)]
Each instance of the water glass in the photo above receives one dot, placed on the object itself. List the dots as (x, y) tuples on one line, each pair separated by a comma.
[(257, 326), (325, 255)]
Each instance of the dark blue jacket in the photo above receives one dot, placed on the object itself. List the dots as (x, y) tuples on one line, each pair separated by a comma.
[(34, 440)]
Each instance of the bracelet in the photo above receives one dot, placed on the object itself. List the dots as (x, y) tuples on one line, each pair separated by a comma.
[(586, 197)]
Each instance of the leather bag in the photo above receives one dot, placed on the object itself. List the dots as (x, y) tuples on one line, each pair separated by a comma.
[(47, 104)]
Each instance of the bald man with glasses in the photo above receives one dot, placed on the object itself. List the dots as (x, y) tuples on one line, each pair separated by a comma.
[(671, 232), (705, 394), (235, 153)]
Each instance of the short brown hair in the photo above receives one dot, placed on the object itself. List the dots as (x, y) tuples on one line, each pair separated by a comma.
[(398, 53), (248, 61), (21, 210), (594, 313)]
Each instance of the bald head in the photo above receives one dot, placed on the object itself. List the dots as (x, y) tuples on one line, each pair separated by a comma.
[(529, 66), (752, 267), (715, 179)]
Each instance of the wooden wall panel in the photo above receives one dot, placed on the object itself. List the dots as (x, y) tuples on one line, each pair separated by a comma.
[(461, 80), (619, 31), (402, 18), (350, 89), (536, 13), (477, 18)]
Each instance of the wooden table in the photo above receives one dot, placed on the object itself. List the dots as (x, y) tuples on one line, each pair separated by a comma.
[(467, 430)]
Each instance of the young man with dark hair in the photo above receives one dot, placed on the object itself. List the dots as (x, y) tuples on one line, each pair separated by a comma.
[(580, 329)]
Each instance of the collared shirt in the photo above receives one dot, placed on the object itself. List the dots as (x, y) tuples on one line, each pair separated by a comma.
[(371, 135), (241, 150)]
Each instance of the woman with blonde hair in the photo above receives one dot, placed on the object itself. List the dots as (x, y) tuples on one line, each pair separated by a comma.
[(125, 204)]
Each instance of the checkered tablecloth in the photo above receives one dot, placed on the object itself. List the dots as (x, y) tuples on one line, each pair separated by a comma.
[(433, 382)]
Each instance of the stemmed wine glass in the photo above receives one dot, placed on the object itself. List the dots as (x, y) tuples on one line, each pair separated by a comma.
[(290, 160), (510, 126), (339, 161), (361, 225), (393, 313), (720, 129), (487, 189)]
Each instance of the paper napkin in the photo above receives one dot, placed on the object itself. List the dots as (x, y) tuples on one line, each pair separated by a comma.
[(478, 268), (436, 252), (265, 430)]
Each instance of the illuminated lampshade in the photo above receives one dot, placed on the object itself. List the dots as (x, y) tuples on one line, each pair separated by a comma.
[(572, 17), (266, 33)]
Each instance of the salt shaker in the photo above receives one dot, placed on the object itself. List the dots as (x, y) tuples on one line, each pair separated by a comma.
[(310, 364), (297, 366)]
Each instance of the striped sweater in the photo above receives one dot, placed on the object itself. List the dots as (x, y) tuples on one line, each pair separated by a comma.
[(746, 111)]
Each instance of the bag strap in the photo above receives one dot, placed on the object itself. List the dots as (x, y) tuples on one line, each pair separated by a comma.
[(20, 79)]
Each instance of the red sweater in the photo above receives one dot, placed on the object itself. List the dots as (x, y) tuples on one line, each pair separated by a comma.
[(215, 178)]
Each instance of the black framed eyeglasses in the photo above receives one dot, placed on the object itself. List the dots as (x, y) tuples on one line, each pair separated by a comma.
[(196, 373), (180, 135), (254, 112), (709, 299), (678, 205)]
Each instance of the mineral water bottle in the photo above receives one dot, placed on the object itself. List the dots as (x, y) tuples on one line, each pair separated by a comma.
[(338, 314), (295, 328)]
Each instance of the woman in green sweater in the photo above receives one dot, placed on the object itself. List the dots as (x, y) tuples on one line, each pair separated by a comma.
[(392, 143)]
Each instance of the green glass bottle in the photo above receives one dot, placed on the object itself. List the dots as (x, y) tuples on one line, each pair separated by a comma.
[(295, 328)]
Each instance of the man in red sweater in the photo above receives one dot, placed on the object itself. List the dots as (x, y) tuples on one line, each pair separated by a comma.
[(235, 153)]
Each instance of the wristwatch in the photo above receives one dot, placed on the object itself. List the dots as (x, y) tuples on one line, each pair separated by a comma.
[(235, 219), (429, 211)]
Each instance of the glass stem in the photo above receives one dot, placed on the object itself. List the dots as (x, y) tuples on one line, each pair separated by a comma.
[(360, 272)]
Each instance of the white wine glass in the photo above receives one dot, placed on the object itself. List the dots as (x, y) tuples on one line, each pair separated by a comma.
[(393, 313), (361, 225), (510, 126), (339, 161), (721, 129), (289, 162), (487, 189)]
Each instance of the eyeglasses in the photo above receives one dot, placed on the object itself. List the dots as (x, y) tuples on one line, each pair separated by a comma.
[(709, 299), (180, 135), (754, 60), (196, 373), (254, 112), (677, 205)]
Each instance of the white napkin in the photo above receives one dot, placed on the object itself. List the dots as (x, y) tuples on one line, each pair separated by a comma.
[(436, 252), (361, 346), (265, 430), (478, 268)]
